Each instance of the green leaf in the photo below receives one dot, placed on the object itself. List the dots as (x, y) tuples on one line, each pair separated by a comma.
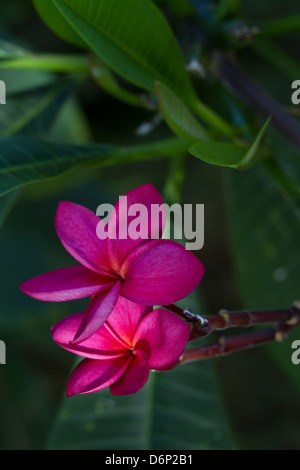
[(219, 153), (265, 232), (71, 126), (227, 7), (176, 410), (8, 50), (281, 26), (181, 409), (237, 156), (26, 160), (181, 8), (27, 80), (34, 112), (31, 113), (133, 38), (106, 80), (55, 21), (178, 116)]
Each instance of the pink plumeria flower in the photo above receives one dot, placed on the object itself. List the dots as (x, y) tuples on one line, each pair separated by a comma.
[(145, 271), (120, 354)]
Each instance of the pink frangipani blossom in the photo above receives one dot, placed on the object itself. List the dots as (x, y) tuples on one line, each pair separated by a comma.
[(120, 354), (145, 271)]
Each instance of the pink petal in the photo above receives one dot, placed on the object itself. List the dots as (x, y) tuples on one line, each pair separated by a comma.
[(119, 223), (125, 318), (101, 345), (160, 273), (162, 336), (76, 227), (97, 313), (71, 283), (134, 378), (91, 376)]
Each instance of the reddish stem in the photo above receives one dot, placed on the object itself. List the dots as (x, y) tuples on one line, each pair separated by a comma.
[(228, 345), (285, 320), (203, 325)]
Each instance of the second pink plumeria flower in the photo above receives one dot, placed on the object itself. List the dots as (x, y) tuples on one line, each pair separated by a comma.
[(145, 271), (120, 354)]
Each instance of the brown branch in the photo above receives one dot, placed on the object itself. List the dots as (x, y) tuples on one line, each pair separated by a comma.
[(204, 325), (285, 320), (228, 345)]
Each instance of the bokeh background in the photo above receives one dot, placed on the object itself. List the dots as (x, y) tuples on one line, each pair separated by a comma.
[(251, 255)]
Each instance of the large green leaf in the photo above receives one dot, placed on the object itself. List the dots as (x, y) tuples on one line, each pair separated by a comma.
[(178, 116), (31, 112), (28, 80), (26, 160), (107, 81), (182, 121), (237, 156), (265, 229), (182, 8), (181, 409), (219, 153), (281, 26), (176, 410), (55, 20), (227, 7), (34, 112), (133, 38), (8, 50), (71, 126)]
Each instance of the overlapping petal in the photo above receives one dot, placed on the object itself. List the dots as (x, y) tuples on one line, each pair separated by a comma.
[(163, 337), (75, 282), (154, 340), (97, 313), (126, 317), (134, 377), (91, 376), (101, 345), (160, 272), (76, 228), (119, 223)]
